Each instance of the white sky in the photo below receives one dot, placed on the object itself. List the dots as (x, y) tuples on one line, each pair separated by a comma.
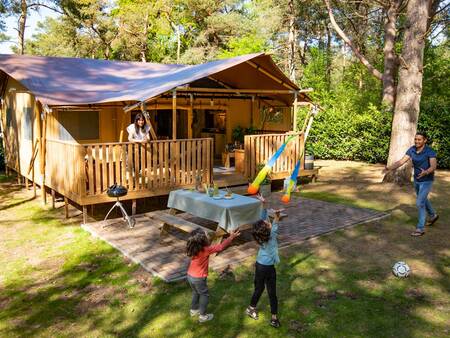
[(32, 20)]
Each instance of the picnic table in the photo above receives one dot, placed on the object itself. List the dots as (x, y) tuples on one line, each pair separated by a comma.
[(229, 214)]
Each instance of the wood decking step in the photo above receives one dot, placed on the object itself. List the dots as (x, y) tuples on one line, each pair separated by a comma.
[(177, 222)]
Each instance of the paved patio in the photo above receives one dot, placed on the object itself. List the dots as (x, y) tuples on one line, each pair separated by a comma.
[(306, 219)]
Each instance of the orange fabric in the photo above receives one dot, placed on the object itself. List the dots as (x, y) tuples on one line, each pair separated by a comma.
[(198, 267)]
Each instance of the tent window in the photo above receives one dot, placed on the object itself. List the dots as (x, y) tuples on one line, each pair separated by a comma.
[(79, 125), (27, 123)]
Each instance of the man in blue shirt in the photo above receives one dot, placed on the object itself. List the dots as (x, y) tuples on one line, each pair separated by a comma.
[(424, 162)]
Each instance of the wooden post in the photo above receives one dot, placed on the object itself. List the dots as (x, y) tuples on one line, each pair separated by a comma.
[(84, 214), (302, 151), (174, 114), (294, 122), (34, 187), (66, 207), (122, 126), (44, 194), (133, 207), (252, 110), (42, 143), (26, 183), (190, 115), (53, 198)]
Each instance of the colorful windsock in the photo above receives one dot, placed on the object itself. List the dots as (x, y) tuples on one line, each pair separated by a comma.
[(254, 187), (287, 194)]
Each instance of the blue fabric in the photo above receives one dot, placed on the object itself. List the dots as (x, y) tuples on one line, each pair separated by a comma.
[(268, 252), (421, 161), (422, 202), (230, 214)]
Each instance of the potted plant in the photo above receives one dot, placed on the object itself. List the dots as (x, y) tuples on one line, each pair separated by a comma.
[(309, 156), (238, 134), (265, 188)]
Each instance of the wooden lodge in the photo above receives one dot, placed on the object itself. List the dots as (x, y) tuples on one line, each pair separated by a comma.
[(64, 123)]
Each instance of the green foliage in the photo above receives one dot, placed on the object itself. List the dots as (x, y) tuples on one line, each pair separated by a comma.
[(434, 116), (238, 133), (353, 125), (341, 132), (244, 45), (59, 281)]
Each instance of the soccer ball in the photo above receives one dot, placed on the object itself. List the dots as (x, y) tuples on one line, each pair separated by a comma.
[(401, 269)]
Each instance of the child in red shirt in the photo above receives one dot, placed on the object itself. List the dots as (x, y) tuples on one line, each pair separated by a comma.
[(199, 250)]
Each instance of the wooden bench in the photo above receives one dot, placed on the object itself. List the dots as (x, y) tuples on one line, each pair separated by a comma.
[(168, 220)]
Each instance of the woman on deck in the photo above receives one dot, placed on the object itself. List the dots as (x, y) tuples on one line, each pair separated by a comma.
[(139, 130), (424, 161)]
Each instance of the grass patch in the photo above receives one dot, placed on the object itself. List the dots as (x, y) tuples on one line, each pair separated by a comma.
[(58, 281), (335, 198)]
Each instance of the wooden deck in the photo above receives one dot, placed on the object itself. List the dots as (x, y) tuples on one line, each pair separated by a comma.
[(306, 219)]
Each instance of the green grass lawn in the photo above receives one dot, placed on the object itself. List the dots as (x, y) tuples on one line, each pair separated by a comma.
[(58, 281)]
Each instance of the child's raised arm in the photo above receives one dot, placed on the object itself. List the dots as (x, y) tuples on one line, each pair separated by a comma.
[(222, 246)]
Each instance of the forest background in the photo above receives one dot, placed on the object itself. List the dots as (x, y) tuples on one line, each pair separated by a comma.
[(354, 123)]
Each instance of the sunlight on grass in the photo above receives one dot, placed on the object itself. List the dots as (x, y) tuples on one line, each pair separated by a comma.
[(59, 281)]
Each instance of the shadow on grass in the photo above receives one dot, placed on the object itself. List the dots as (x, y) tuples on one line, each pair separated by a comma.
[(338, 285)]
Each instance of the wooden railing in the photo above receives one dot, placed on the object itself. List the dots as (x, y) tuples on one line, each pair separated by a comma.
[(83, 172), (64, 168), (157, 166), (259, 148)]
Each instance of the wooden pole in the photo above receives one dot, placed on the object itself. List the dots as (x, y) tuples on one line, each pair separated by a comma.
[(265, 72), (66, 207), (239, 91), (122, 126), (174, 114), (43, 151), (53, 198), (84, 214), (252, 108), (133, 207), (294, 122), (190, 115), (302, 151)]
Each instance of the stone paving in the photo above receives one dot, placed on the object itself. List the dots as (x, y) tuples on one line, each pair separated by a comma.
[(306, 218)]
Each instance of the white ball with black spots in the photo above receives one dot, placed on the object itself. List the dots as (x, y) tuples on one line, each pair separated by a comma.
[(401, 270)]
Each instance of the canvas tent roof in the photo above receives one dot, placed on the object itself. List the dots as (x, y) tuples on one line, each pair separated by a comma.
[(73, 81)]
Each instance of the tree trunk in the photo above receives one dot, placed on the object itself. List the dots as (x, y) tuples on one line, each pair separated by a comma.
[(409, 89), (144, 42), (291, 42), (328, 58), (22, 25), (390, 60)]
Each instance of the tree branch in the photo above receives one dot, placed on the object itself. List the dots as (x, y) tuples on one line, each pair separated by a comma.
[(46, 6), (375, 72)]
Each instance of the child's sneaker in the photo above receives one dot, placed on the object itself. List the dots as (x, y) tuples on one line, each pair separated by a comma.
[(275, 323), (251, 312), (194, 312), (205, 318)]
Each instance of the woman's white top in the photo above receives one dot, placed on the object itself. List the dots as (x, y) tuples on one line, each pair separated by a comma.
[(141, 135)]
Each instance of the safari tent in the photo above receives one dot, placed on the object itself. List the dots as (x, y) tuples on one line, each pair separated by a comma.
[(64, 123)]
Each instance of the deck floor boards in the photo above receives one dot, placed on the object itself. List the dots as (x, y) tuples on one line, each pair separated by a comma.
[(306, 219)]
